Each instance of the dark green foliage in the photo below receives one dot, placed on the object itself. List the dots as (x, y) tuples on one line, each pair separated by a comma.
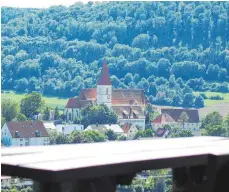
[(21, 117), (111, 135), (216, 97), (180, 133), (9, 108), (56, 113), (31, 103), (160, 47), (100, 114), (214, 125), (46, 114)]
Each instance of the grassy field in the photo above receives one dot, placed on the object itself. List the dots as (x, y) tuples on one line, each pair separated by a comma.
[(50, 101), (209, 102)]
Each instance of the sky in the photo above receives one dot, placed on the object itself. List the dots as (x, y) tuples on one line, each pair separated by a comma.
[(38, 3)]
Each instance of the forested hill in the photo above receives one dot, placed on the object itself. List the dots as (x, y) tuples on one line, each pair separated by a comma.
[(166, 48)]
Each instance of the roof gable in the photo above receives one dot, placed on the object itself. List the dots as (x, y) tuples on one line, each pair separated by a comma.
[(73, 103), (26, 129), (193, 114)]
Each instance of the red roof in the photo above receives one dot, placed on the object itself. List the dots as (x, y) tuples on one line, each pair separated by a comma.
[(73, 103), (126, 127), (88, 94), (104, 78), (27, 129), (163, 118), (124, 97)]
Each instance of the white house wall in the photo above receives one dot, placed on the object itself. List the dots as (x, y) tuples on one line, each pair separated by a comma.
[(68, 129), (74, 113), (31, 141)]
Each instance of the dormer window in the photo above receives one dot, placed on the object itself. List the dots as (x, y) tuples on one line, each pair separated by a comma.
[(37, 133), (17, 134), (125, 113)]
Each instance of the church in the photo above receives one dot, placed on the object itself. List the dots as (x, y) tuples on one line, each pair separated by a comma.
[(128, 104)]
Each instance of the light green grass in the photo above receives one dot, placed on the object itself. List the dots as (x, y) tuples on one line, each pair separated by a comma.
[(209, 102), (49, 101)]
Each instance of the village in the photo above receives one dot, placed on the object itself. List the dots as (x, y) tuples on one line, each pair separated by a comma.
[(136, 119), (133, 111)]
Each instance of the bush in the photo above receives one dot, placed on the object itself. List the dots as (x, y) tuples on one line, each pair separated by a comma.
[(216, 97)]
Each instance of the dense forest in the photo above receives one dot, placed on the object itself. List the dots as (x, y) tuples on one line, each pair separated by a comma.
[(169, 49)]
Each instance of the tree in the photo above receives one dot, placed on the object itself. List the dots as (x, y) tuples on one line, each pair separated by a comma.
[(216, 130), (31, 103), (53, 134), (61, 139), (9, 109), (56, 113), (139, 134), (184, 118), (3, 121), (199, 101), (212, 119), (181, 133), (148, 112), (93, 135), (46, 114), (226, 124), (111, 135), (148, 133), (21, 117), (100, 114)]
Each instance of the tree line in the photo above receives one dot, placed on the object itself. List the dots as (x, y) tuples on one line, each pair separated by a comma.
[(164, 48)]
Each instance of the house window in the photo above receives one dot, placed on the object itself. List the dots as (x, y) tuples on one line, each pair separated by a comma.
[(107, 91), (21, 139), (26, 143), (62, 129)]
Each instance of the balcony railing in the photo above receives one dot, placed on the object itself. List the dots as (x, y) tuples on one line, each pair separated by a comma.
[(198, 164)]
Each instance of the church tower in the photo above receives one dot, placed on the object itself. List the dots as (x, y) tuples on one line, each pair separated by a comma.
[(104, 87)]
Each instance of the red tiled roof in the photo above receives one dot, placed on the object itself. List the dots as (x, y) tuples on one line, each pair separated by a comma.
[(27, 129), (73, 103), (89, 94), (163, 118), (121, 110), (193, 114), (128, 96), (126, 127), (104, 78), (119, 97)]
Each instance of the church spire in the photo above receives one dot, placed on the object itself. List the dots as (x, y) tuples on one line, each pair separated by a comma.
[(104, 78)]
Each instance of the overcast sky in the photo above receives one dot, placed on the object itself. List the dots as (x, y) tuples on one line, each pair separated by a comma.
[(37, 3)]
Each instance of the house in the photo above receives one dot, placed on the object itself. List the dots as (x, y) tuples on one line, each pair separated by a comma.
[(24, 133), (105, 127), (128, 104), (161, 120), (130, 130), (162, 133), (173, 117), (49, 126), (67, 129), (37, 116)]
